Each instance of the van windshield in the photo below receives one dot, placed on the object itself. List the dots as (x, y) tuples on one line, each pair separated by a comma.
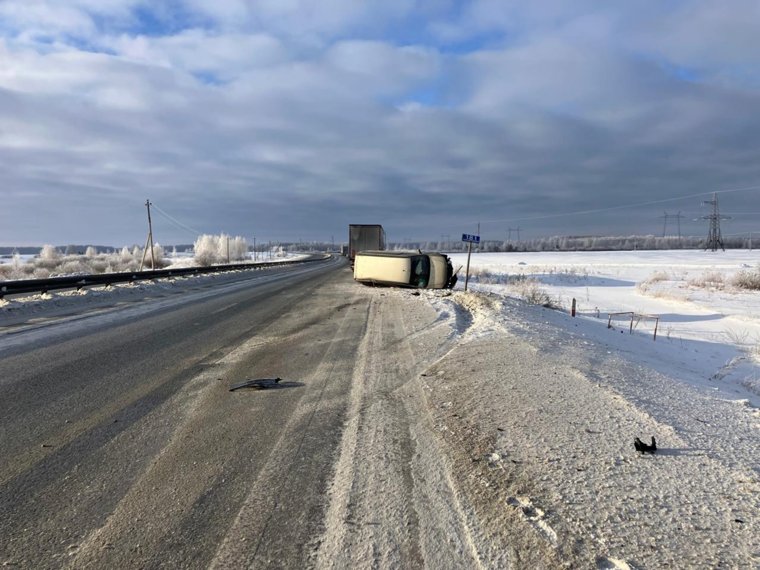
[(420, 271)]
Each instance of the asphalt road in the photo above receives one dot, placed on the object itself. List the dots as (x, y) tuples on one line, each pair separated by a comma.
[(122, 446)]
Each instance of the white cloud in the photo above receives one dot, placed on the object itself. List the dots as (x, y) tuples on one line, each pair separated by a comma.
[(324, 110), (226, 56), (39, 20), (34, 20), (382, 67), (300, 20), (718, 41)]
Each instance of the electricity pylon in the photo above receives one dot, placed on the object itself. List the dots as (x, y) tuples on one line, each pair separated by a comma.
[(516, 230), (677, 216), (714, 238)]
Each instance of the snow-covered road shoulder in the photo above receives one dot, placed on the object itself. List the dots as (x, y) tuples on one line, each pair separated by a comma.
[(540, 411)]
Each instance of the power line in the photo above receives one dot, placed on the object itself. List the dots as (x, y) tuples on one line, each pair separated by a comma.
[(176, 222), (622, 207)]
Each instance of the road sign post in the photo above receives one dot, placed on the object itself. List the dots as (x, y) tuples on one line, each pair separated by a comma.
[(470, 239), (467, 271)]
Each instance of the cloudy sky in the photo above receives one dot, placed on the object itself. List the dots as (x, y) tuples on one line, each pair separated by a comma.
[(290, 119)]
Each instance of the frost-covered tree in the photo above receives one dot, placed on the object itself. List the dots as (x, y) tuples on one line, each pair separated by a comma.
[(210, 249), (91, 251), (238, 248), (205, 248), (49, 253), (158, 255)]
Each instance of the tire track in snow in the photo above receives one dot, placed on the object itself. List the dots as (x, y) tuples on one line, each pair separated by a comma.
[(392, 499)]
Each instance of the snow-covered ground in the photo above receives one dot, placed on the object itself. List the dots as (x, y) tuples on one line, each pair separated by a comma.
[(174, 259), (187, 260), (540, 410), (708, 332), (8, 259)]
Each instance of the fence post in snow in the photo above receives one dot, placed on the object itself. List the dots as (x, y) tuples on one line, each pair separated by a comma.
[(572, 311)]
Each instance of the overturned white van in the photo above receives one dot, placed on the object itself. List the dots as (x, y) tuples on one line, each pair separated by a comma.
[(404, 269)]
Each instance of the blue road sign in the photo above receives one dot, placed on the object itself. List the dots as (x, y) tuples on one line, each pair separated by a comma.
[(471, 238)]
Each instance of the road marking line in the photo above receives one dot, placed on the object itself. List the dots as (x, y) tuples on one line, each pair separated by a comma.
[(224, 308)]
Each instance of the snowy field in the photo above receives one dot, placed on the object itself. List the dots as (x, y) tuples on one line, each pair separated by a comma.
[(540, 409), (708, 329)]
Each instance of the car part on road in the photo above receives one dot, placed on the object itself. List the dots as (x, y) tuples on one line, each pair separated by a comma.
[(642, 447), (264, 383)]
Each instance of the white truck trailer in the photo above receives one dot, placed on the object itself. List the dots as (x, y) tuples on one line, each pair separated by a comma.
[(363, 237)]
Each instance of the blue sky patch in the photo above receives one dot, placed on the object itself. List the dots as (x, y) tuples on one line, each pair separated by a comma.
[(208, 78), (166, 22), (680, 72)]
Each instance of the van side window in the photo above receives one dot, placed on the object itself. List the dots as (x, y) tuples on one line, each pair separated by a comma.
[(420, 271)]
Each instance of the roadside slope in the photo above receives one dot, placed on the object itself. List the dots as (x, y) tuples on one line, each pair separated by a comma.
[(539, 421)]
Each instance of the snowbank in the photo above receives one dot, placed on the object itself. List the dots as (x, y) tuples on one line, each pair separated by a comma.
[(540, 410)]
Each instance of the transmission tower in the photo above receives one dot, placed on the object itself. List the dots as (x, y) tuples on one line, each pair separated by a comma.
[(714, 239), (516, 230), (667, 216)]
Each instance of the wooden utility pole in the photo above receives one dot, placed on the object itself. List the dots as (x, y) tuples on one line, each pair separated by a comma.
[(149, 241)]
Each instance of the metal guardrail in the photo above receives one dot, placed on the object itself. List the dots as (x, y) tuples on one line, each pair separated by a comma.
[(80, 281)]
